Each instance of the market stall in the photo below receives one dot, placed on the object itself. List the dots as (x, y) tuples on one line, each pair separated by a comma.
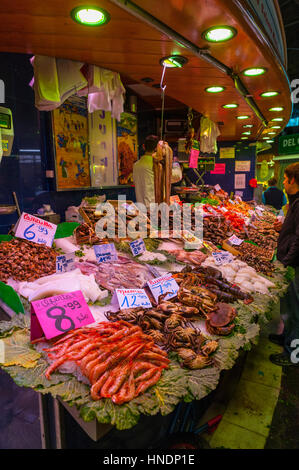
[(137, 321)]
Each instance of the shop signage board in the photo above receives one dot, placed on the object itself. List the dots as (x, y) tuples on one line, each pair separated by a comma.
[(130, 298), (219, 169), (56, 315), (65, 263), (103, 149), (105, 253), (162, 285), (34, 229), (288, 144), (227, 152), (137, 247), (243, 165)]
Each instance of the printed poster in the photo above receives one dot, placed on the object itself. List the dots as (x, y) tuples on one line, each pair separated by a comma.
[(127, 147), (70, 130), (103, 151), (219, 169), (227, 152), (240, 181), (243, 166)]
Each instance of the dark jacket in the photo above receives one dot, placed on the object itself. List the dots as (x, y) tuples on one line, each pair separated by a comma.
[(288, 241), (274, 197)]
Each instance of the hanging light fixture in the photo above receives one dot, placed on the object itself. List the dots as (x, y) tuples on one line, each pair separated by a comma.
[(254, 71), (90, 16), (219, 34), (173, 61)]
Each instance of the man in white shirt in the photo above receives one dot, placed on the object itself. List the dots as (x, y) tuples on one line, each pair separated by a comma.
[(143, 173)]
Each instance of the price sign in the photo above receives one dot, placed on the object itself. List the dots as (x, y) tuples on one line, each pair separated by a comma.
[(222, 257), (35, 230), (65, 263), (137, 247), (56, 315), (235, 240), (217, 187), (224, 209), (231, 201), (259, 208), (174, 199), (105, 253), (162, 285), (131, 298)]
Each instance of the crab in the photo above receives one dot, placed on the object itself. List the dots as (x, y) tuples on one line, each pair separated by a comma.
[(220, 321), (127, 314), (193, 360), (199, 297)]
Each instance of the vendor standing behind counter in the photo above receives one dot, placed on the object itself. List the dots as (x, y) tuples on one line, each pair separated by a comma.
[(143, 173)]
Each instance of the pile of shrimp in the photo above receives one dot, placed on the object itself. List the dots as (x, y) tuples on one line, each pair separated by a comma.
[(119, 360)]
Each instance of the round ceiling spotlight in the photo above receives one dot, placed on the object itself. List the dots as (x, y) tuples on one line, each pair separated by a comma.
[(278, 119), (254, 71), (173, 61), (218, 34), (276, 109), (90, 16), (214, 89), (230, 105), (269, 94), (248, 125), (242, 117)]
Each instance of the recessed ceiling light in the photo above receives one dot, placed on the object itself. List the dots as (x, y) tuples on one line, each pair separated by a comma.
[(242, 117), (276, 109), (244, 138), (230, 105), (215, 89), (173, 61), (278, 119), (265, 138), (271, 133), (269, 94), (275, 127), (246, 133), (248, 125), (90, 16), (219, 33), (270, 141), (254, 71)]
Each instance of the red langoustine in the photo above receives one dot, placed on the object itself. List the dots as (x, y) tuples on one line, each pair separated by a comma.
[(119, 360)]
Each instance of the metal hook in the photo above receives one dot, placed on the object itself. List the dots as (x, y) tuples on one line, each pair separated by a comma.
[(163, 99)]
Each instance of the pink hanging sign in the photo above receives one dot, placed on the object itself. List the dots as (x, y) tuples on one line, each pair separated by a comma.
[(193, 158), (56, 315)]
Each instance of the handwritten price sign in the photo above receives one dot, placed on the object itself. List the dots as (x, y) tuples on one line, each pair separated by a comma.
[(65, 263), (131, 298), (105, 253), (222, 257), (137, 247), (56, 315), (235, 240), (162, 285), (35, 230)]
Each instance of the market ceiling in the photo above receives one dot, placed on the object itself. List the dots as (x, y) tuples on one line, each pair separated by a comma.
[(139, 34)]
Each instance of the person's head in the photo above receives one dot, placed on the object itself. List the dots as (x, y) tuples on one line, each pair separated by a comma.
[(291, 178), (272, 182), (150, 143)]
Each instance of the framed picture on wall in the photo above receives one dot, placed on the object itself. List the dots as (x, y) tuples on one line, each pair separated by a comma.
[(127, 147), (71, 150)]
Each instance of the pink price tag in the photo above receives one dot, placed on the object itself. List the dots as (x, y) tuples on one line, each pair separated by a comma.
[(56, 315), (193, 159)]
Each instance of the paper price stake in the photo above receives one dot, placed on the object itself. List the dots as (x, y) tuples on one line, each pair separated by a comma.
[(56, 315), (162, 285), (137, 247), (235, 240), (130, 298), (105, 253), (65, 263), (222, 257), (35, 230), (217, 187)]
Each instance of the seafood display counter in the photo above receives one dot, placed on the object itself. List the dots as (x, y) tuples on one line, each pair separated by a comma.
[(144, 359)]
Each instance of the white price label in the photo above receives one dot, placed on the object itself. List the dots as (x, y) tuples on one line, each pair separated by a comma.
[(105, 253), (65, 263), (137, 247), (131, 298), (217, 187), (35, 229), (235, 240), (222, 257), (162, 285)]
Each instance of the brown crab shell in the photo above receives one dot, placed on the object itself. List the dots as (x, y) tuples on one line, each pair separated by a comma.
[(222, 316)]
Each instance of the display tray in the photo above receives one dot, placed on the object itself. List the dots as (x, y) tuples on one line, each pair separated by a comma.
[(6, 209)]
